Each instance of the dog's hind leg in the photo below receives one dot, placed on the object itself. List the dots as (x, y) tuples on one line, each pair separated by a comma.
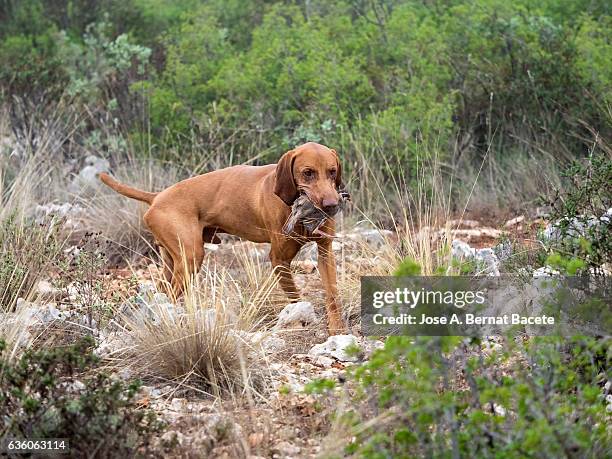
[(182, 240), (167, 268)]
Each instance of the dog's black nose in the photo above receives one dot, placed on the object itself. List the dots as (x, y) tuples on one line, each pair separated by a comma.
[(330, 206)]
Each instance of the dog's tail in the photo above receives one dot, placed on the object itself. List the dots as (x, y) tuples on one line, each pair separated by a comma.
[(125, 190)]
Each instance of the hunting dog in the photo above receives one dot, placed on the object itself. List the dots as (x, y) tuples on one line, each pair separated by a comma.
[(252, 202)]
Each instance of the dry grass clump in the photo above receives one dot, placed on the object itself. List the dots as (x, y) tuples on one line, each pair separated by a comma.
[(27, 249), (203, 344), (257, 283)]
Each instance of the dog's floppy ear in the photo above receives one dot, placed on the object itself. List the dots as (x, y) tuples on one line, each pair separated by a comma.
[(339, 184), (284, 184)]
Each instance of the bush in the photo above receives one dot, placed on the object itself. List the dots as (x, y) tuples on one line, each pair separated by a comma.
[(451, 396), (546, 402), (47, 394), (581, 213), (96, 67)]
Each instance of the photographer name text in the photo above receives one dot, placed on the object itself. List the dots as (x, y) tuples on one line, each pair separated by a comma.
[(467, 319)]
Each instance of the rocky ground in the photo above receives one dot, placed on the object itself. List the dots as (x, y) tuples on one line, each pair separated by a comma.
[(283, 421), (280, 419)]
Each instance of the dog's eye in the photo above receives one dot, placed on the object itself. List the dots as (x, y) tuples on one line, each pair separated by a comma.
[(332, 173), (308, 173)]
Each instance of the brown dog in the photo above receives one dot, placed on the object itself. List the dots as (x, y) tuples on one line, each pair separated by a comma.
[(252, 202)]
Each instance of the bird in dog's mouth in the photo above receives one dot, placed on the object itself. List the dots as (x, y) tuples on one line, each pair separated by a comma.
[(304, 211)]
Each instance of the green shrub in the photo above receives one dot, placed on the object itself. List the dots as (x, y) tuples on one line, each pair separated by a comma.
[(436, 397), (96, 65), (30, 62), (444, 397), (47, 394), (581, 216)]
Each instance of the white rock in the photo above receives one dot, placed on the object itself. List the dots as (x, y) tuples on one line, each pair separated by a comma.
[(87, 179), (488, 261), (336, 346), (486, 258), (270, 343), (112, 342), (576, 227), (178, 404), (150, 306), (324, 361), (462, 250), (374, 237), (546, 271), (286, 449), (43, 314), (471, 233), (499, 410), (299, 313), (273, 344)]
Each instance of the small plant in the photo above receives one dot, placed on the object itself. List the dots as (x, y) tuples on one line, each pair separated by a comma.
[(79, 277), (48, 394), (445, 397)]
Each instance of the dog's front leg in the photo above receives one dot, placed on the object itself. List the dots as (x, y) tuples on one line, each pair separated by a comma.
[(282, 252), (327, 268)]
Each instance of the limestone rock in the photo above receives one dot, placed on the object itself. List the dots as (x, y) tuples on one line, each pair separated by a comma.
[(296, 314), (337, 347), (285, 449), (71, 214), (87, 179), (486, 258)]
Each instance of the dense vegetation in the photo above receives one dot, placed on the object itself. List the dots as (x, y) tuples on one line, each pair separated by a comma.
[(394, 81), (436, 397), (41, 397)]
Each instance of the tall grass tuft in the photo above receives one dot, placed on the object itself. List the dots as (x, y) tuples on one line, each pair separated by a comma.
[(27, 249), (205, 347)]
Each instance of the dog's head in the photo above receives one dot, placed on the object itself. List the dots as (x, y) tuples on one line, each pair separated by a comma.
[(312, 169)]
